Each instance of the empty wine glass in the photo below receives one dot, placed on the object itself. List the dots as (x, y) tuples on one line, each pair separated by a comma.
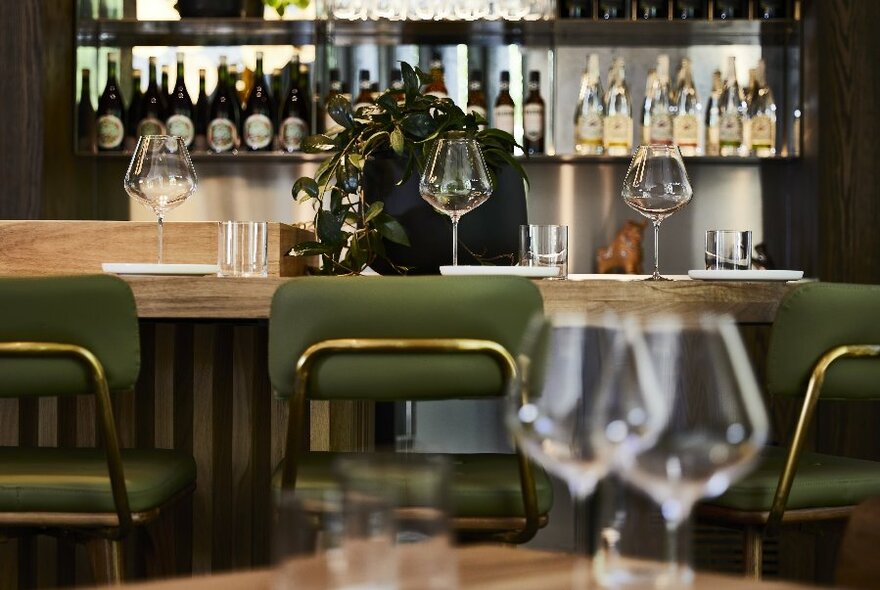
[(657, 186), (160, 176), (716, 422), (455, 180)]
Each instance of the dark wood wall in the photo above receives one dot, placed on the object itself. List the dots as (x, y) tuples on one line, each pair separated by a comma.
[(21, 149)]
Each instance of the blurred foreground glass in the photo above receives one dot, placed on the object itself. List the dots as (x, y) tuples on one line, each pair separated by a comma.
[(715, 428), (160, 177), (728, 250), (656, 186), (456, 180), (544, 245), (243, 248)]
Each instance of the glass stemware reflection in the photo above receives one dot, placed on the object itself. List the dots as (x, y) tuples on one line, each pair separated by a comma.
[(716, 422), (656, 186), (455, 180), (160, 177)]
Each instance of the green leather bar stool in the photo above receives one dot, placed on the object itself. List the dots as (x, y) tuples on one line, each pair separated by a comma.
[(825, 342), (409, 338), (64, 336)]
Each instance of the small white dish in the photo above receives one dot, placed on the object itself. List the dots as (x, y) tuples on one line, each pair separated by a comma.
[(143, 268), (532, 272), (746, 275)]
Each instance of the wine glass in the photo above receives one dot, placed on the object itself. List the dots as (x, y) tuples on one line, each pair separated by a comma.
[(455, 180), (657, 185), (160, 176), (716, 422)]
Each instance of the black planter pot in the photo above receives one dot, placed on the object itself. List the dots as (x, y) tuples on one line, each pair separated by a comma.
[(209, 8), (489, 231)]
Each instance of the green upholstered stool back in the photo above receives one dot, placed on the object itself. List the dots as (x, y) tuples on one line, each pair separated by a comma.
[(312, 309), (815, 318), (95, 312)]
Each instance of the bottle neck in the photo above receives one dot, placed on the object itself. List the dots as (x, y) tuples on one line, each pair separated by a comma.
[(202, 85), (85, 92), (259, 71), (136, 84), (179, 72), (153, 73), (111, 73)]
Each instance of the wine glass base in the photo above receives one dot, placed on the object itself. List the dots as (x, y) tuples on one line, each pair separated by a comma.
[(656, 278)]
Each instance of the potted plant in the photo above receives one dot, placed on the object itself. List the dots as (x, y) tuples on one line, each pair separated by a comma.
[(368, 211)]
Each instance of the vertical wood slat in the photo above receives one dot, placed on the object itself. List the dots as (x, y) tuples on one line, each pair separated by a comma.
[(202, 426)]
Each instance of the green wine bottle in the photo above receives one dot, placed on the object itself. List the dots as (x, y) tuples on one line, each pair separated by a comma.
[(294, 124), (110, 116), (180, 109), (85, 116), (202, 107), (133, 115), (152, 111), (222, 134), (258, 129)]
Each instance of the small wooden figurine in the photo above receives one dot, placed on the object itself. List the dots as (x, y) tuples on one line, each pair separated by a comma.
[(625, 251)]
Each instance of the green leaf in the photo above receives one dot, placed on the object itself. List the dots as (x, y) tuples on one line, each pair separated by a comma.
[(373, 142), (329, 228), (357, 160), (305, 185), (310, 249), (391, 229), (348, 177), (397, 141), (388, 102), (340, 110), (418, 125), (318, 143), (411, 83), (374, 210)]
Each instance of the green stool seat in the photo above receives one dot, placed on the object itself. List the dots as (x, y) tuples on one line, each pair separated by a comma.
[(483, 485), (822, 480), (76, 480)]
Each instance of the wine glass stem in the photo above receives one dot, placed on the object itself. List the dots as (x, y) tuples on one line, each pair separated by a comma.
[(656, 274), (160, 246), (455, 241), (672, 547)]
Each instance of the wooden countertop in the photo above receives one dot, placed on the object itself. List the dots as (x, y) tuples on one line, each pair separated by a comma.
[(250, 298)]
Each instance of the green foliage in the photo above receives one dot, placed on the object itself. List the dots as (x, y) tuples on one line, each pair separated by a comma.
[(349, 231), (281, 5)]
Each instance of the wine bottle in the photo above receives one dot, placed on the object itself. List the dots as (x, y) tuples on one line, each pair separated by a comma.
[(612, 9), (730, 9), (689, 9), (770, 9), (335, 88), (476, 101), (647, 106), (618, 128), (180, 122), (110, 122), (652, 9), (713, 117), (748, 96), (223, 116), (686, 124), (203, 105), (502, 114), (364, 98), (576, 9), (436, 87), (589, 118), (762, 116), (85, 115), (166, 84), (533, 117), (152, 111), (661, 105), (732, 110), (258, 130), (133, 115), (294, 114)]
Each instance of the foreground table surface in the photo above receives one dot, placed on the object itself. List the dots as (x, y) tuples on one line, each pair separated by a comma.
[(479, 567), (225, 298)]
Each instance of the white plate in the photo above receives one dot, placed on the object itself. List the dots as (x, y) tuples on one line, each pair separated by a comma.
[(138, 268), (534, 272), (746, 275)]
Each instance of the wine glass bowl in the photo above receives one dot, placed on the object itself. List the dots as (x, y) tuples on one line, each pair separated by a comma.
[(160, 177), (656, 186), (456, 180)]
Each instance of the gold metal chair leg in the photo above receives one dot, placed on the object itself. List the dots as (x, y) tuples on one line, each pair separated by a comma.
[(753, 552), (106, 558)]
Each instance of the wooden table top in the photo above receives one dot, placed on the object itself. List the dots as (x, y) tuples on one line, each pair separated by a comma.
[(484, 568), (250, 298)]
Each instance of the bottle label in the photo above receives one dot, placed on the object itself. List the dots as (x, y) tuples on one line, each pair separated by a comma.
[(257, 131), (661, 129), (533, 122), (150, 126), (181, 126), (222, 135), (110, 132), (293, 130), (762, 131), (590, 129), (685, 130), (730, 129), (618, 131), (504, 118)]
